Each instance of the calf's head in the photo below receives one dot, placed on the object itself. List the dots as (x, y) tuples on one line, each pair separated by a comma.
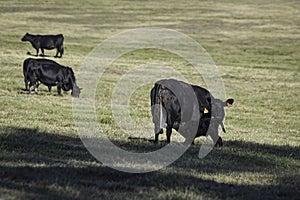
[(218, 109)]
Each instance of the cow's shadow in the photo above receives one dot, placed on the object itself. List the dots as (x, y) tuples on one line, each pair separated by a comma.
[(43, 91), (41, 55), (34, 162)]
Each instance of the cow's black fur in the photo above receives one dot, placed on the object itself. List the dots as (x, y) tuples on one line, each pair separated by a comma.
[(50, 73), (211, 110), (46, 42)]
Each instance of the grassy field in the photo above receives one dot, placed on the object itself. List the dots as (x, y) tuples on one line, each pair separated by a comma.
[(255, 45)]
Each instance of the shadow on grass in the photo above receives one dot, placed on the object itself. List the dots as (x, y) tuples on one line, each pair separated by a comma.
[(44, 165)]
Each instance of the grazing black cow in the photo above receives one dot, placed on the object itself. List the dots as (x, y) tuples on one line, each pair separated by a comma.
[(46, 42), (170, 103), (50, 73)]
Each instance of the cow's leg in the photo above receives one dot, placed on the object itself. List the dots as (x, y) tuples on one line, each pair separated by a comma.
[(59, 90), (170, 122), (59, 86), (61, 51), (49, 88), (29, 88), (57, 51), (36, 86), (156, 138), (32, 84), (160, 131), (32, 87), (169, 132), (43, 54), (26, 84), (37, 52)]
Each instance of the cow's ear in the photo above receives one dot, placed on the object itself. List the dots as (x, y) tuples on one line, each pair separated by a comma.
[(229, 103)]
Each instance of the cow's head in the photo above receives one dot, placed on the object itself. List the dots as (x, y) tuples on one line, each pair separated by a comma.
[(25, 37), (70, 82), (76, 91)]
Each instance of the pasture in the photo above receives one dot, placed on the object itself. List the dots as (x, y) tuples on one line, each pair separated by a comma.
[(255, 45)]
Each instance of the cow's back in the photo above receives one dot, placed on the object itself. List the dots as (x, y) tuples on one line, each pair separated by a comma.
[(46, 71), (56, 39)]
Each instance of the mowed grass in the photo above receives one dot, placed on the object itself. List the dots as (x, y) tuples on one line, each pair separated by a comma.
[(255, 45)]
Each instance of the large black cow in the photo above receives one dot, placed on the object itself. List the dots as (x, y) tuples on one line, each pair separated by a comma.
[(46, 42), (174, 104), (50, 73)]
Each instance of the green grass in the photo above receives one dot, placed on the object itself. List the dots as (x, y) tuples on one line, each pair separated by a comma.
[(255, 45)]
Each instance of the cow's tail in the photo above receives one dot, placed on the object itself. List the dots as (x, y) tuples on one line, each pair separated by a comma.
[(25, 72), (61, 44), (162, 117), (158, 115), (154, 102), (62, 50)]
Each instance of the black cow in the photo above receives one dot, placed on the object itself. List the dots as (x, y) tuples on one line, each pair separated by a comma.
[(175, 103), (46, 42), (50, 73)]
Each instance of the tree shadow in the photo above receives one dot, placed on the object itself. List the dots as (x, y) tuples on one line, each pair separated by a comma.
[(45, 165), (240, 156), (283, 151)]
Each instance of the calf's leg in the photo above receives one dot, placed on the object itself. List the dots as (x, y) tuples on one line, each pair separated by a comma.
[(219, 142)]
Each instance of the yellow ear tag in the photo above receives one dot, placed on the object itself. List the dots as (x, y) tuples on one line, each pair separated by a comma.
[(228, 105), (205, 111)]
